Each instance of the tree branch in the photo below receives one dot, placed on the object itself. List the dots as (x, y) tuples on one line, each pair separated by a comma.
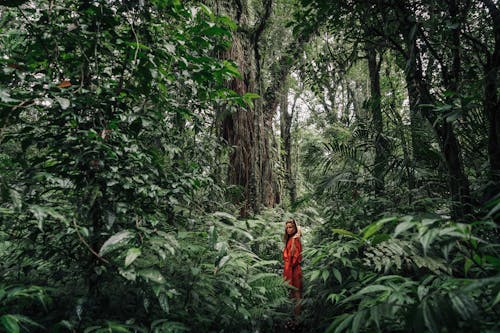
[(261, 25), (281, 70)]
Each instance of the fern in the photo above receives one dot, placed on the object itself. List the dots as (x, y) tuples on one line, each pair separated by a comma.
[(403, 277)]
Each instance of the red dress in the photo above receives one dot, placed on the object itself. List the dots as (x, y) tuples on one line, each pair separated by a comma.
[(292, 271)]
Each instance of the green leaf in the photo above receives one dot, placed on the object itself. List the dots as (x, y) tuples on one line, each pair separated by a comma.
[(207, 11), (152, 275), (371, 230), (116, 327), (315, 274), (463, 305), (250, 96), (402, 227), (128, 274), (168, 326), (217, 31), (261, 276), (376, 226), (453, 116), (225, 20), (223, 261), (422, 291), (10, 323), (163, 300), (345, 233), (170, 48), (324, 275), (429, 319), (232, 69), (379, 238), (373, 288), (41, 212), (428, 238), (340, 323), (497, 299), (444, 107), (356, 321), (337, 275), (132, 254), (116, 241), (333, 298), (375, 315), (15, 196)]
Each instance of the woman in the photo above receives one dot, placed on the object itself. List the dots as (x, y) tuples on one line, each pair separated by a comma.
[(292, 256)]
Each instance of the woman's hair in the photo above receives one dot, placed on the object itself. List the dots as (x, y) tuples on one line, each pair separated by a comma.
[(286, 236)]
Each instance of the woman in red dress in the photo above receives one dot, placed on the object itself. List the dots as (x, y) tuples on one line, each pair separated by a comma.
[(292, 256)]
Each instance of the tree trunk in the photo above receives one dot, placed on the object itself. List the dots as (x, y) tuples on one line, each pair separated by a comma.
[(420, 94), (240, 129), (457, 180), (286, 118), (376, 111), (238, 126), (249, 130)]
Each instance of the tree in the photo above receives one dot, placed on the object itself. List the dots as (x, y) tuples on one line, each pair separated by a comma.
[(418, 44), (249, 129)]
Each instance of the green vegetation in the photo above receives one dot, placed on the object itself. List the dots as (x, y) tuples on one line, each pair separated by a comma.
[(150, 152)]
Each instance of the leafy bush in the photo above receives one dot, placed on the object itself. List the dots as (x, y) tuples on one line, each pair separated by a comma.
[(419, 274), (16, 300), (108, 172)]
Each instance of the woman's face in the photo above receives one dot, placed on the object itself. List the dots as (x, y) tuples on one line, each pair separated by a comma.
[(290, 228)]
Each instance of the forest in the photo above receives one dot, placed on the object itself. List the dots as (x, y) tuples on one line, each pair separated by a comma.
[(152, 152)]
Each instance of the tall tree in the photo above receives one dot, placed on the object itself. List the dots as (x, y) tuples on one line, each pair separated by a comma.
[(429, 70), (374, 63), (418, 84), (287, 113), (249, 130)]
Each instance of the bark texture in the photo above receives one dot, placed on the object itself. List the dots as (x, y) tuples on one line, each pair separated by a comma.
[(250, 130)]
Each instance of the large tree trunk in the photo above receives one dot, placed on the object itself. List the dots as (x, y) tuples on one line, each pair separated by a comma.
[(250, 130), (239, 128)]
